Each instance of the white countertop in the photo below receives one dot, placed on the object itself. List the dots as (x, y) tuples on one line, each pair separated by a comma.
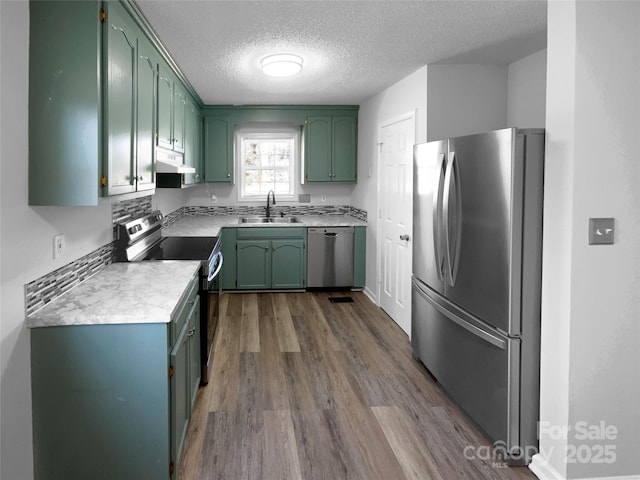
[(136, 292), (210, 225)]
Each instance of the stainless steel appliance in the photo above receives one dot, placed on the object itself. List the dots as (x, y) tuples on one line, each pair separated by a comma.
[(141, 239), (330, 257), (476, 278)]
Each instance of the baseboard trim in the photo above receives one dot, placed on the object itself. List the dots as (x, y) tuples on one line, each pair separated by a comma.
[(370, 295), (542, 469)]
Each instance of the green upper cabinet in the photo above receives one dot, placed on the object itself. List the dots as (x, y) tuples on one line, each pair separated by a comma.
[(172, 101), (147, 101), (179, 107), (65, 109), (218, 149), (97, 105), (192, 142), (130, 67), (120, 62), (330, 149), (344, 148), (165, 107)]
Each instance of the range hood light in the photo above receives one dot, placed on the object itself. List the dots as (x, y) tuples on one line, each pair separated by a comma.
[(281, 65)]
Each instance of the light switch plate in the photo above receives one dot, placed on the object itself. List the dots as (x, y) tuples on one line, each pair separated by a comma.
[(601, 231)]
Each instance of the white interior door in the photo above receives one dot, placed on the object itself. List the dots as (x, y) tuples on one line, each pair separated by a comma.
[(396, 216)]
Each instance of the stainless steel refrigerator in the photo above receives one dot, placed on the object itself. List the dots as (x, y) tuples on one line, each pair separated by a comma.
[(476, 278)]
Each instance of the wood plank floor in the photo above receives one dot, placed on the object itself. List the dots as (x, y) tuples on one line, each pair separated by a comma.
[(302, 388)]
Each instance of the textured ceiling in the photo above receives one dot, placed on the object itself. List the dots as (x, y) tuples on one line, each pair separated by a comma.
[(351, 49)]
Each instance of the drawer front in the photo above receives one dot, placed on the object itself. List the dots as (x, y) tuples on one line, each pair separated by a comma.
[(184, 308), (269, 232)]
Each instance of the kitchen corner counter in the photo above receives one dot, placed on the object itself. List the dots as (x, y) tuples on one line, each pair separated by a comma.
[(210, 225), (135, 292)]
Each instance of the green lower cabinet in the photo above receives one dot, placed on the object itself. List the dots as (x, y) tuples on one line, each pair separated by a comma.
[(114, 401), (267, 258), (228, 272), (359, 256), (194, 352), (288, 262), (180, 405), (254, 264)]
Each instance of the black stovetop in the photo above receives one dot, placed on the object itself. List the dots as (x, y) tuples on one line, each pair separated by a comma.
[(182, 248)]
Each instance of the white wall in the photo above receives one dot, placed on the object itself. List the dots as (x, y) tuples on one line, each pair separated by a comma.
[(526, 91), (591, 299), (407, 96), (26, 237), (227, 195), (465, 99)]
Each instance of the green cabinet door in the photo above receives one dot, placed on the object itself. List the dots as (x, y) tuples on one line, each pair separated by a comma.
[(330, 149), (344, 149), (179, 108), (253, 264), (317, 149), (100, 402), (120, 61), (179, 387), (359, 256), (288, 263), (229, 253), (146, 124), (194, 351), (165, 107), (218, 149), (65, 109), (192, 139)]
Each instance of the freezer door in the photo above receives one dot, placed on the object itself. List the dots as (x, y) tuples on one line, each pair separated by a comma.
[(478, 368), (483, 208), (428, 238)]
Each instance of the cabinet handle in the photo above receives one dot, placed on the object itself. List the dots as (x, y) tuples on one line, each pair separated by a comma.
[(192, 331), (228, 175), (329, 174), (404, 237)]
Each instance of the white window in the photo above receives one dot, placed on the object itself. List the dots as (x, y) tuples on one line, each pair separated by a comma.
[(267, 159)]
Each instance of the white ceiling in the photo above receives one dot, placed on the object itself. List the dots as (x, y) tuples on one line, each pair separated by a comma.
[(351, 49)]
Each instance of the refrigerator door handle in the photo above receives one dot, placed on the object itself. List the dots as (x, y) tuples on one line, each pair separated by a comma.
[(478, 332), (458, 218), (446, 212), (437, 219)]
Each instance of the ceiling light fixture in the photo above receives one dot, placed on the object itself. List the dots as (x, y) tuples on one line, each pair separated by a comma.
[(281, 65)]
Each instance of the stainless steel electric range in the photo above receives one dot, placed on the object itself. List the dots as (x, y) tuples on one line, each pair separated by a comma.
[(141, 239)]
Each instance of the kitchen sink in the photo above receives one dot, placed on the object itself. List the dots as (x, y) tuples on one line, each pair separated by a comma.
[(269, 220), (284, 220)]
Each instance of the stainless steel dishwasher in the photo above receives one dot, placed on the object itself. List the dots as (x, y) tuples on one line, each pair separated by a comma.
[(330, 257)]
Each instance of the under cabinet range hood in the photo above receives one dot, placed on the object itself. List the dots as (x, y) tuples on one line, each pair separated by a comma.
[(171, 162)]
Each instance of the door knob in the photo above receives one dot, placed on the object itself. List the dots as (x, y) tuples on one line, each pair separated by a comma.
[(404, 237)]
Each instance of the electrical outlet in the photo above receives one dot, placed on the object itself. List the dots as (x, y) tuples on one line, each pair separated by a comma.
[(323, 198), (214, 199), (58, 246)]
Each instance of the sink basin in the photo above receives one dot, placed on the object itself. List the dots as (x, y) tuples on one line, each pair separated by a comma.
[(284, 220), (269, 220), (254, 220)]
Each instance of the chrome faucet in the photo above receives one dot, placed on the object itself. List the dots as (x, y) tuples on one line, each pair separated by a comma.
[(273, 198)]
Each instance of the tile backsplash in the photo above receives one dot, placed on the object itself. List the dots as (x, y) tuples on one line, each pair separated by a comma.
[(47, 288)]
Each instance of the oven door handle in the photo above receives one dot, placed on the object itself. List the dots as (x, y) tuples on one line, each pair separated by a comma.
[(218, 256)]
